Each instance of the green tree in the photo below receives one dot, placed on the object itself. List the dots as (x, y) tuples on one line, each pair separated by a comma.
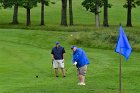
[(15, 14), (42, 12), (43, 3), (29, 4), (129, 5), (93, 6), (105, 19), (0, 3), (70, 12), (64, 13), (15, 3)]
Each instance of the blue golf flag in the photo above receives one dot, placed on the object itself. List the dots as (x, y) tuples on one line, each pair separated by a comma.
[(123, 47)]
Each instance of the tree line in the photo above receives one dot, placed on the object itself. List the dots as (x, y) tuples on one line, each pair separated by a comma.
[(28, 5), (90, 5), (95, 5)]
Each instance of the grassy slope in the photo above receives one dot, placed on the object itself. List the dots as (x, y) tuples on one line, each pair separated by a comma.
[(26, 53)]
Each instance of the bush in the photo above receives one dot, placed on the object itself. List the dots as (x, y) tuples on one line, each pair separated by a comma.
[(103, 40)]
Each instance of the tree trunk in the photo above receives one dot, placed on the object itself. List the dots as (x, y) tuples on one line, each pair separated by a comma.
[(70, 12), (105, 22), (97, 20), (97, 15), (28, 17), (15, 14), (129, 14), (64, 13), (42, 12)]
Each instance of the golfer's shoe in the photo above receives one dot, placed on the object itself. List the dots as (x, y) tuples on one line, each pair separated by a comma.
[(82, 84)]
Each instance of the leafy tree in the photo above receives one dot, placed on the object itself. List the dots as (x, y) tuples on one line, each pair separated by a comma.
[(64, 13), (70, 12), (42, 12), (29, 4), (129, 5), (15, 14), (15, 3), (93, 6), (43, 2), (105, 19), (0, 3)]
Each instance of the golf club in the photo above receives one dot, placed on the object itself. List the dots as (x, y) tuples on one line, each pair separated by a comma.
[(52, 66)]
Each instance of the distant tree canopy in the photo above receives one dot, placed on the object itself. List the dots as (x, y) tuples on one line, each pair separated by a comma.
[(15, 3), (91, 5), (10, 3), (94, 5), (129, 5), (29, 4)]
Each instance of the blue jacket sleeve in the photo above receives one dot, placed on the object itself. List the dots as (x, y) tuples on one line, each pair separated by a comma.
[(76, 57)]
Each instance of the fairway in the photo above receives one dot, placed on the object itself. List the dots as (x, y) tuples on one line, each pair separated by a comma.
[(25, 54)]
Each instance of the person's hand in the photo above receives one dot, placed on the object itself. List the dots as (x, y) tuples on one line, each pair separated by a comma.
[(63, 61), (52, 58), (75, 63)]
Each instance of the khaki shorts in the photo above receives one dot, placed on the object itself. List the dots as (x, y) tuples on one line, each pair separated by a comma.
[(58, 63), (82, 70)]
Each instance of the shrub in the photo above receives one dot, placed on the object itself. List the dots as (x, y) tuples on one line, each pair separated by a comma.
[(104, 40)]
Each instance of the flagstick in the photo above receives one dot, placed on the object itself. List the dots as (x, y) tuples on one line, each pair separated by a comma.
[(120, 72)]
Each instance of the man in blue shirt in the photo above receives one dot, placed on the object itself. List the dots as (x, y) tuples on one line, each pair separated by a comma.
[(58, 58), (81, 61)]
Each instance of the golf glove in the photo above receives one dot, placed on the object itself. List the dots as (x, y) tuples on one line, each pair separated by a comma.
[(75, 63)]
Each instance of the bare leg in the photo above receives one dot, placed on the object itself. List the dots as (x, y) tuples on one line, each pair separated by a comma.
[(63, 72), (81, 78), (56, 72)]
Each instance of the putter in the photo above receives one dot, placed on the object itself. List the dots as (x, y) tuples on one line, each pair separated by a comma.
[(68, 69), (51, 67)]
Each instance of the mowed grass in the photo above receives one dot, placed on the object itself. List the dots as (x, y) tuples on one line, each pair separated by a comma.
[(25, 54), (117, 14)]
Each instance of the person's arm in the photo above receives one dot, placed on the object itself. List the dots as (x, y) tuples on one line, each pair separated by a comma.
[(74, 59), (52, 54), (63, 53), (63, 56), (52, 57)]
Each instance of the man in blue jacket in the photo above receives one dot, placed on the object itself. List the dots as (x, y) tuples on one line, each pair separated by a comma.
[(81, 61)]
